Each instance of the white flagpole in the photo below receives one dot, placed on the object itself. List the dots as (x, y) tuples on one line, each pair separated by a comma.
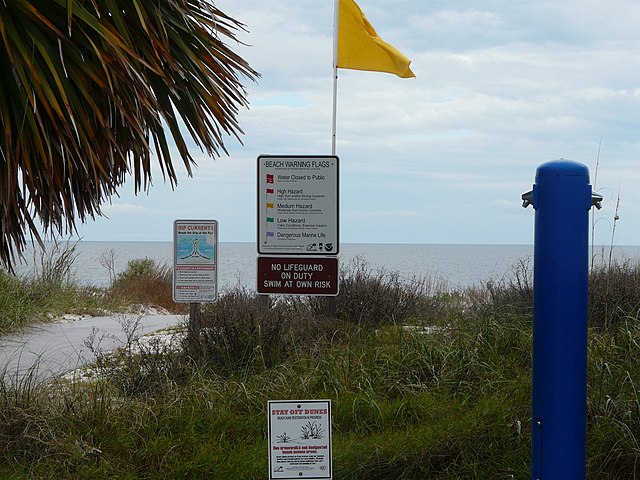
[(330, 302), (336, 5)]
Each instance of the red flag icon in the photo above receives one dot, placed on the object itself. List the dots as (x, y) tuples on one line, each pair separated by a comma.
[(269, 178)]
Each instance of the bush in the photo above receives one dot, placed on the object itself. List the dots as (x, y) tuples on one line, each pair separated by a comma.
[(148, 283), (614, 293), (241, 333), (52, 267), (371, 298), (613, 296), (143, 365), (509, 299)]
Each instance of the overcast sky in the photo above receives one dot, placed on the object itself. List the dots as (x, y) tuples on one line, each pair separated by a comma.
[(501, 87)]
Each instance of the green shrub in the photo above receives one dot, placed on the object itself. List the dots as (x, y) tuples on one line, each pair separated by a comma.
[(509, 299), (146, 282), (381, 297), (53, 267), (140, 268), (243, 334), (614, 293)]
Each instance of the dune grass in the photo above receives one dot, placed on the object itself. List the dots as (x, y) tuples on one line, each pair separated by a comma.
[(50, 290), (436, 385)]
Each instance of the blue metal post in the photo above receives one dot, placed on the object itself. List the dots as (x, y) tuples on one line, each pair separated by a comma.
[(562, 199)]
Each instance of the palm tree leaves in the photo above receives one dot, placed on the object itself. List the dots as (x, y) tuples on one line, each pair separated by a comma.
[(88, 89)]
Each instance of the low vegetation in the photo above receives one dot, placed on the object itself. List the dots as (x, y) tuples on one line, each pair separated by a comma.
[(50, 290), (145, 282), (425, 383), (46, 291)]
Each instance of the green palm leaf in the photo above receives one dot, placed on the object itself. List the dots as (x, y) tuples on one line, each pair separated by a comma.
[(89, 89)]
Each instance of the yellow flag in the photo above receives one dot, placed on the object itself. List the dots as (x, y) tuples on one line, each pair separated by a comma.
[(360, 47)]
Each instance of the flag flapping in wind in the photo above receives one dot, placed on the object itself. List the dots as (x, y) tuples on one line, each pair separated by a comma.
[(360, 47)]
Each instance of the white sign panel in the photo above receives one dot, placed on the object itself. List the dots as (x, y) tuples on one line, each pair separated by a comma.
[(298, 205), (195, 273), (300, 439)]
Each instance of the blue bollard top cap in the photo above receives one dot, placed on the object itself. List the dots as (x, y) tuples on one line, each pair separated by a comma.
[(562, 167)]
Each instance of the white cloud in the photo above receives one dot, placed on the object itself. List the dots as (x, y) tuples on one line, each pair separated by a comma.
[(501, 87)]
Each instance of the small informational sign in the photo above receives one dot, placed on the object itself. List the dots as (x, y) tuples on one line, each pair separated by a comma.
[(298, 205), (315, 276), (300, 439), (195, 273)]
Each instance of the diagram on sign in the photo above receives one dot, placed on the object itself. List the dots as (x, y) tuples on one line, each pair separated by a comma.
[(298, 205), (195, 250), (312, 430)]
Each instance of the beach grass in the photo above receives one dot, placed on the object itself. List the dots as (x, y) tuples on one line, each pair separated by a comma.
[(437, 386), (49, 290)]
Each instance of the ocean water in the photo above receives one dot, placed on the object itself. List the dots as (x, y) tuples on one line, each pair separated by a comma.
[(458, 266)]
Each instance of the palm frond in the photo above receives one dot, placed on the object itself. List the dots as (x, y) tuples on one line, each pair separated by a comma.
[(88, 90)]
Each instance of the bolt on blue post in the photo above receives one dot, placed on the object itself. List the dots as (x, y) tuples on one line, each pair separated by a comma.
[(562, 198)]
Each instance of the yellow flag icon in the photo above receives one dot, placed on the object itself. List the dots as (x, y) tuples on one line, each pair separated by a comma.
[(360, 47)]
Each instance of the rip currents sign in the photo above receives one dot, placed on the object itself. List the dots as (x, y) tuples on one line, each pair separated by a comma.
[(195, 270)]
